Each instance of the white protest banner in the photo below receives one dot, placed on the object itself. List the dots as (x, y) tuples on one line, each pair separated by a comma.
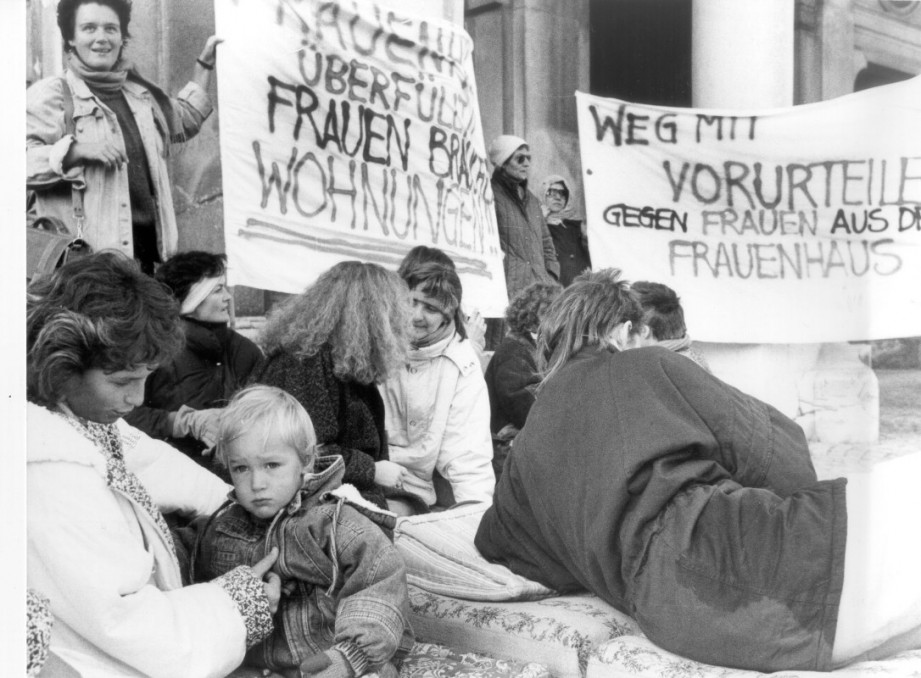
[(351, 130), (800, 224)]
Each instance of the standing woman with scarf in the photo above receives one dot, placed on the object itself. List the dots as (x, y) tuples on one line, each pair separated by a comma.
[(437, 406), (104, 129)]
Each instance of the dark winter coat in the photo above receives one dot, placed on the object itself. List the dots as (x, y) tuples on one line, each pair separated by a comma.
[(510, 378), (214, 363), (523, 236), (680, 501), (571, 249), (348, 417)]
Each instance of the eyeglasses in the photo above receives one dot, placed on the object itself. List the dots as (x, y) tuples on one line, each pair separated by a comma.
[(556, 192), (521, 157)]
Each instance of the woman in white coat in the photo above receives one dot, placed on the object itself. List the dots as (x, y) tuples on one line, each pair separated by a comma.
[(437, 406), (98, 545)]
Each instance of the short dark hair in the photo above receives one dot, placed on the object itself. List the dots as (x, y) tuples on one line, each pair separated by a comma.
[(662, 312), (183, 270), (67, 16), (99, 312), (529, 306), (420, 254), (442, 283)]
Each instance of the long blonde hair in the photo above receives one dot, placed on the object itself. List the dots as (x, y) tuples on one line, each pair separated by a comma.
[(584, 314), (360, 310)]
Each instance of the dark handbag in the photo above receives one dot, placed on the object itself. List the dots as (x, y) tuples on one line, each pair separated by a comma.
[(49, 243)]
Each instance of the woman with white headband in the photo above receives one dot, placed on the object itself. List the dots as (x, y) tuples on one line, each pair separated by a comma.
[(183, 397)]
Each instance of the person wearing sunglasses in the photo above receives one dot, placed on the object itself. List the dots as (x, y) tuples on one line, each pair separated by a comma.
[(566, 230), (529, 255), (523, 235)]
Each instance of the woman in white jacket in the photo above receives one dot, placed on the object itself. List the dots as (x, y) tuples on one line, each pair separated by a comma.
[(437, 406), (98, 545)]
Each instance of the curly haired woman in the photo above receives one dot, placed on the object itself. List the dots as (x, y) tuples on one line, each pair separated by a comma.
[(511, 375), (328, 347)]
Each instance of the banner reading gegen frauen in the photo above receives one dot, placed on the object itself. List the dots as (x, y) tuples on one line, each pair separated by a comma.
[(800, 224), (350, 130)]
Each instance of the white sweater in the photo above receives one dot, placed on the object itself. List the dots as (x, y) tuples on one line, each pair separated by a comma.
[(437, 417)]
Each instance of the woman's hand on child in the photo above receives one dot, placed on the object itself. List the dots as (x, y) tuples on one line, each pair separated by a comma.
[(271, 582)]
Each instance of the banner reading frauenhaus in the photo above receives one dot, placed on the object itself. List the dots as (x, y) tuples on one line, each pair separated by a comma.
[(351, 130), (800, 224)]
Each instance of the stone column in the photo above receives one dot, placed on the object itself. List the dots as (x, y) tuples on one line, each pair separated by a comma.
[(742, 53), (530, 58), (742, 58)]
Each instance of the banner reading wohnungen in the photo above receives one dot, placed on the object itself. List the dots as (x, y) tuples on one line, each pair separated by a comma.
[(350, 130), (800, 224)]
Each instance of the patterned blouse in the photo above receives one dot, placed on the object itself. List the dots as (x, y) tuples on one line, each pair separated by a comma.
[(241, 583)]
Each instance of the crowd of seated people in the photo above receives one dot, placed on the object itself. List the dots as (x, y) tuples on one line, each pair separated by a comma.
[(382, 411)]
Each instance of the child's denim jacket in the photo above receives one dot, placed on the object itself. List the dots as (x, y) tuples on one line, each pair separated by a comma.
[(349, 581)]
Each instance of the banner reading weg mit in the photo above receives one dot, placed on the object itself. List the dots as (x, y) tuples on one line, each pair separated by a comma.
[(800, 224), (350, 130)]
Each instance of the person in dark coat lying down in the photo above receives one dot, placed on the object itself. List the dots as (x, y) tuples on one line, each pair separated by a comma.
[(695, 508)]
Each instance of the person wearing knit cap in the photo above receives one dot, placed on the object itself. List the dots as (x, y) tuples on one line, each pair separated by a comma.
[(182, 399), (523, 235)]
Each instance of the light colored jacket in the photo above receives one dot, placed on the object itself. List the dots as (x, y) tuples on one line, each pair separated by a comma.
[(114, 584), (437, 418), (106, 198)]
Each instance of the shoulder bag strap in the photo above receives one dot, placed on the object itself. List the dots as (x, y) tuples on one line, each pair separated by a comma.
[(70, 128)]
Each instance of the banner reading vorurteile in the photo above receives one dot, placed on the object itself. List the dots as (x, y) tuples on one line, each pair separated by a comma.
[(800, 224), (351, 130)]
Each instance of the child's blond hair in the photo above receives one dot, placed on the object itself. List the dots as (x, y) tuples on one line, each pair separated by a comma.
[(275, 413)]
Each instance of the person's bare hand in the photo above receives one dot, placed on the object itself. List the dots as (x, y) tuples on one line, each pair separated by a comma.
[(271, 582), (208, 53), (94, 152), (204, 425), (475, 325), (388, 474)]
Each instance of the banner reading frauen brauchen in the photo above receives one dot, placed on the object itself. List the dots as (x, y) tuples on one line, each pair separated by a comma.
[(351, 130), (800, 224)]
